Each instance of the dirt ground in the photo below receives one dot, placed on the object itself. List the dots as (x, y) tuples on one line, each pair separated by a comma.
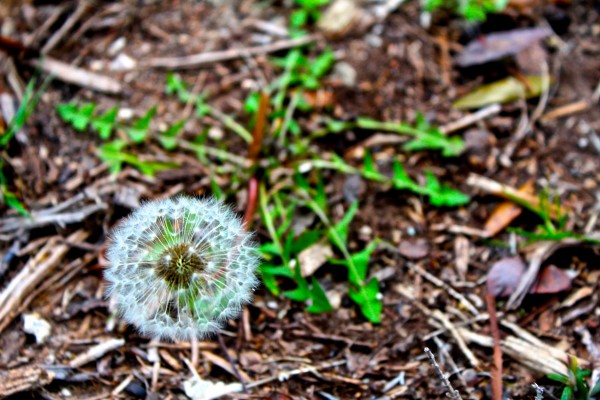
[(432, 280)]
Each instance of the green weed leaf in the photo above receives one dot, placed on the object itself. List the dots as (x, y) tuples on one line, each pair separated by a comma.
[(567, 393), (139, 131), (339, 236), (11, 200), (302, 292), (559, 378), (368, 299), (370, 171), (441, 195), (168, 138), (78, 117), (298, 18), (105, 123), (322, 63), (358, 275), (319, 301)]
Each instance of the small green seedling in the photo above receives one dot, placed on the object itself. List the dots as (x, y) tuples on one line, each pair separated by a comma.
[(284, 247), (425, 136), (470, 10), (83, 117), (440, 195), (31, 98), (549, 229), (308, 11), (576, 385)]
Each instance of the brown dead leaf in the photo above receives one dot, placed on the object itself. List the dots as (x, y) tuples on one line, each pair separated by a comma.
[(498, 45), (551, 280), (505, 213), (414, 249), (313, 257), (506, 274), (320, 98)]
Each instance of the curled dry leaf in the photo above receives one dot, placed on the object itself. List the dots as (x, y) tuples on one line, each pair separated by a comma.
[(414, 249), (313, 257), (505, 275), (498, 45), (505, 213), (551, 280), (502, 91)]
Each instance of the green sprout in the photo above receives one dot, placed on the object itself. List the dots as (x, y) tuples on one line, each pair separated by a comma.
[(576, 385)]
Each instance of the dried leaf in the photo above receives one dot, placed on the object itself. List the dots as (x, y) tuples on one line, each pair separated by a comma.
[(498, 45), (313, 257), (414, 249), (502, 91), (551, 280), (505, 213)]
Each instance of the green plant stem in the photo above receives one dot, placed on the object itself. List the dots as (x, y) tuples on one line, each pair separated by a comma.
[(230, 123), (289, 113), (312, 204), (212, 151)]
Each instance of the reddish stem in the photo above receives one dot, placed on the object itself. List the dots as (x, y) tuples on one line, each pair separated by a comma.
[(496, 373)]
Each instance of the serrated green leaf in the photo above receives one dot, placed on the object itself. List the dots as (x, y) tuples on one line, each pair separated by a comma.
[(319, 301), (175, 85), (322, 63), (320, 196), (358, 274), (301, 292), (105, 123), (305, 240), (270, 280), (401, 180), (139, 131), (370, 171), (441, 195), (341, 228), (167, 138), (78, 117), (298, 18), (450, 147), (150, 168), (368, 300), (279, 270)]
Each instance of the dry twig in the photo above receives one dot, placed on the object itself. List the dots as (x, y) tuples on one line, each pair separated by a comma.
[(197, 60), (452, 393)]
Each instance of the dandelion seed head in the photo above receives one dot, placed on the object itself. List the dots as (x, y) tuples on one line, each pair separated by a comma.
[(180, 267)]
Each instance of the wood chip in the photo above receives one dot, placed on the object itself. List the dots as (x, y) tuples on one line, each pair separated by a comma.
[(96, 352), (23, 379)]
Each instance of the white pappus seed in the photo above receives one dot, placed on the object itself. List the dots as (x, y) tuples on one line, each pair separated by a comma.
[(180, 267)]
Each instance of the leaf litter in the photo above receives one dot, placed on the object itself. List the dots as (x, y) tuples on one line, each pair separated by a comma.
[(411, 184)]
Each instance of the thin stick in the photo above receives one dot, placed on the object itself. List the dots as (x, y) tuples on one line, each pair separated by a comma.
[(539, 392), (196, 60), (233, 365), (452, 394), (496, 375), (82, 7), (471, 119)]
